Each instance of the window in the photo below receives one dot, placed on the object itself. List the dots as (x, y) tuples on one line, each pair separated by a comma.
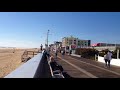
[(70, 43), (67, 39)]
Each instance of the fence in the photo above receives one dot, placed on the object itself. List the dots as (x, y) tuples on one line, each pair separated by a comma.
[(28, 55)]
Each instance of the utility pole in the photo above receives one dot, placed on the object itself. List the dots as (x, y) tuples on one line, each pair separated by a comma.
[(47, 37), (47, 40)]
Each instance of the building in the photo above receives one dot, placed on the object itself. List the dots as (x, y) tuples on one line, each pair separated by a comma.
[(72, 42), (57, 45), (104, 44)]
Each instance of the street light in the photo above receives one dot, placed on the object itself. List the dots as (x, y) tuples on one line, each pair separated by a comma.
[(47, 37), (46, 44)]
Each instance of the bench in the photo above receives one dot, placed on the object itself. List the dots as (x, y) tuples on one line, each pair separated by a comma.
[(54, 73)]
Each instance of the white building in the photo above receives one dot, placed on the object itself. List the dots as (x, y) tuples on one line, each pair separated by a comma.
[(75, 42)]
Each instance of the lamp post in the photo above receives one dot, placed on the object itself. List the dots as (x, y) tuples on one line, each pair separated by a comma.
[(46, 45), (47, 37)]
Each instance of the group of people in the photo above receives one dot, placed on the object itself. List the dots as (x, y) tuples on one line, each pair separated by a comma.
[(62, 52), (108, 58)]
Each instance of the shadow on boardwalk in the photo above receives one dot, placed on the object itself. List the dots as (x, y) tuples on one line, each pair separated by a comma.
[(66, 75)]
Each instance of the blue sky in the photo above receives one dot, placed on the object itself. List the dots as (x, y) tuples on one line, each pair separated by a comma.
[(28, 29)]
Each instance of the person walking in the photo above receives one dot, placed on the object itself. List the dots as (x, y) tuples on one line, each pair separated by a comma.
[(70, 52), (63, 53), (41, 47), (108, 58), (56, 53)]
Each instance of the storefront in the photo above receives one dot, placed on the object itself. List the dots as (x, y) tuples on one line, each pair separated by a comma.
[(73, 47)]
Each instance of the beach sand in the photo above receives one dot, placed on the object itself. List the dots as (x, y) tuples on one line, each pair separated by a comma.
[(9, 61)]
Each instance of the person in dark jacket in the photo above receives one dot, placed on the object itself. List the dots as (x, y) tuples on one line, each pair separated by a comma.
[(70, 52), (41, 47), (63, 53), (54, 65)]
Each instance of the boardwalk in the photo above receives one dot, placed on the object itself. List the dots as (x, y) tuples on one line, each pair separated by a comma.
[(85, 68)]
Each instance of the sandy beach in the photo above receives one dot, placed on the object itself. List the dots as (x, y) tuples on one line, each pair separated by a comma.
[(9, 61)]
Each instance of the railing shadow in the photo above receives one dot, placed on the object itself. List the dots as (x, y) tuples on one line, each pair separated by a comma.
[(66, 75), (44, 71)]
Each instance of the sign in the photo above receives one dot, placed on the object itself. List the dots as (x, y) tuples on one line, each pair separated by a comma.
[(73, 46)]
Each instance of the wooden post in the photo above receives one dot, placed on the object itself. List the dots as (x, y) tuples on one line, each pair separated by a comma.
[(33, 53), (26, 53), (118, 54)]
